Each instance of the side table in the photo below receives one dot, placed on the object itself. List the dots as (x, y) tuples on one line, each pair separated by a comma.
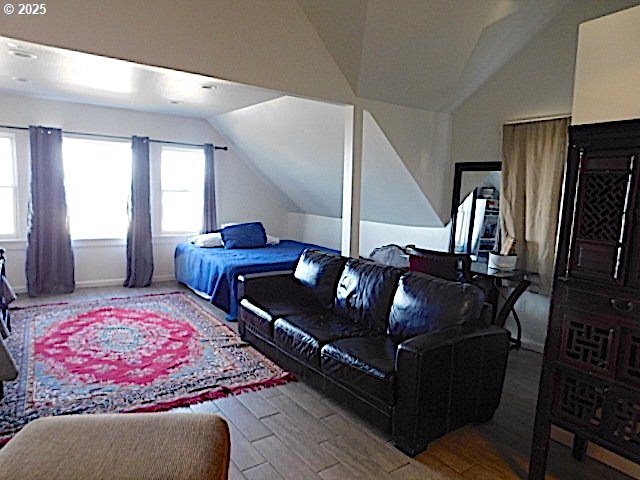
[(492, 280)]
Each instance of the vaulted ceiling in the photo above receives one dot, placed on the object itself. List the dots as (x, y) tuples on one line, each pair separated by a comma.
[(429, 54), (425, 55)]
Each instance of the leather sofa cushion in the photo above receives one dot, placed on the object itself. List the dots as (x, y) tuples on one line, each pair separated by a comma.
[(364, 294), (267, 305), (423, 303), (319, 271), (303, 336), (366, 364)]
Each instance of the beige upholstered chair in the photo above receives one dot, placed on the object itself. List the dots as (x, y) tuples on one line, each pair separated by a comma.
[(141, 446)]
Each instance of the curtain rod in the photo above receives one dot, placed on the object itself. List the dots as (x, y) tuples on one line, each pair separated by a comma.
[(118, 137), (538, 119)]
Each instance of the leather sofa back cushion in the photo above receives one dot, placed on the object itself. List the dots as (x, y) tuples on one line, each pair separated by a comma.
[(424, 303), (319, 271), (365, 291)]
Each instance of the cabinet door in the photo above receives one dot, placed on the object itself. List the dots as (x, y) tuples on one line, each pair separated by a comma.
[(629, 363), (604, 204), (633, 276)]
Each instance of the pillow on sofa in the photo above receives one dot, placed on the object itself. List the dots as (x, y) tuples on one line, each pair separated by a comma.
[(244, 235), (208, 240), (364, 293), (319, 272), (423, 303)]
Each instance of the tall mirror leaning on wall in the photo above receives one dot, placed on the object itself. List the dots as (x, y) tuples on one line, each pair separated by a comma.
[(475, 208)]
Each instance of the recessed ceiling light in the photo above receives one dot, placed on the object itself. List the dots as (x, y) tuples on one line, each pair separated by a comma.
[(176, 102), (20, 79), (23, 54), (209, 86)]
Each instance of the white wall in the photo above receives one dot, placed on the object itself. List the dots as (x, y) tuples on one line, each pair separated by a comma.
[(297, 144), (241, 194), (606, 80), (390, 192), (422, 140), (326, 231), (374, 235)]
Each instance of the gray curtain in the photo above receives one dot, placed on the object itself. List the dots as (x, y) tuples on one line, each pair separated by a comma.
[(139, 245), (209, 219), (49, 265)]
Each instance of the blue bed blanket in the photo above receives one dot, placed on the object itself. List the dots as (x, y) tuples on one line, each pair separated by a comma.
[(214, 271)]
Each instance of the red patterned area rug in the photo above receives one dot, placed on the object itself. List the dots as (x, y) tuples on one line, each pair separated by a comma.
[(144, 353)]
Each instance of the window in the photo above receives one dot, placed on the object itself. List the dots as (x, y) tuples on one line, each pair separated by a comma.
[(182, 184), (97, 179), (7, 186)]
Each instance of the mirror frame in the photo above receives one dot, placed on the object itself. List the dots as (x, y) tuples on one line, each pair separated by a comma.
[(460, 168)]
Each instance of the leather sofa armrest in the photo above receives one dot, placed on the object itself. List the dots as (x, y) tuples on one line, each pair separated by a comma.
[(244, 277), (447, 379)]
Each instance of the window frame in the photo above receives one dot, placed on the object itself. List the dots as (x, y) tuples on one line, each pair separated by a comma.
[(14, 187), (102, 240), (161, 189)]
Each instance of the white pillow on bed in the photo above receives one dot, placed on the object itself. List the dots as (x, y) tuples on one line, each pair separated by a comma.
[(208, 240)]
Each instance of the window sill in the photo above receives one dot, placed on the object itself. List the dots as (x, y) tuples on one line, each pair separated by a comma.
[(13, 244), (10, 244), (98, 242)]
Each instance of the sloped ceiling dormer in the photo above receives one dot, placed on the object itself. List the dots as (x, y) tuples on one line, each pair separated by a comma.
[(429, 54), (297, 144)]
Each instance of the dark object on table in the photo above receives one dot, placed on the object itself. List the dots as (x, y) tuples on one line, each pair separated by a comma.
[(411, 352), (451, 266)]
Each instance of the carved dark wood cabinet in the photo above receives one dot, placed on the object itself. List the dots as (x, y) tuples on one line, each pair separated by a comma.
[(590, 382)]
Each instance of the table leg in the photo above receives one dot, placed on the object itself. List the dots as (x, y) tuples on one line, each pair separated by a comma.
[(507, 308)]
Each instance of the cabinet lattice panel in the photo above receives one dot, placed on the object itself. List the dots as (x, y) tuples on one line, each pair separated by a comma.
[(587, 343), (625, 426), (580, 401), (630, 367), (604, 195)]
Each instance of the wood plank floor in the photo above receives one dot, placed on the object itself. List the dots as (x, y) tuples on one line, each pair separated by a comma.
[(293, 432)]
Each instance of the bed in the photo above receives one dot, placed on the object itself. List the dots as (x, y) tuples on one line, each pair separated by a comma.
[(213, 272)]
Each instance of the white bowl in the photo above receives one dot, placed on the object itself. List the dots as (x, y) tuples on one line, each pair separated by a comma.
[(502, 262)]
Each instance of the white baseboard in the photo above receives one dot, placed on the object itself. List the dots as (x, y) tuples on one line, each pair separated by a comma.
[(533, 346), (103, 282), (109, 282), (112, 282)]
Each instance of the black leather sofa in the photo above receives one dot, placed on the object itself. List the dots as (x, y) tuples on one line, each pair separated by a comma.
[(412, 353)]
